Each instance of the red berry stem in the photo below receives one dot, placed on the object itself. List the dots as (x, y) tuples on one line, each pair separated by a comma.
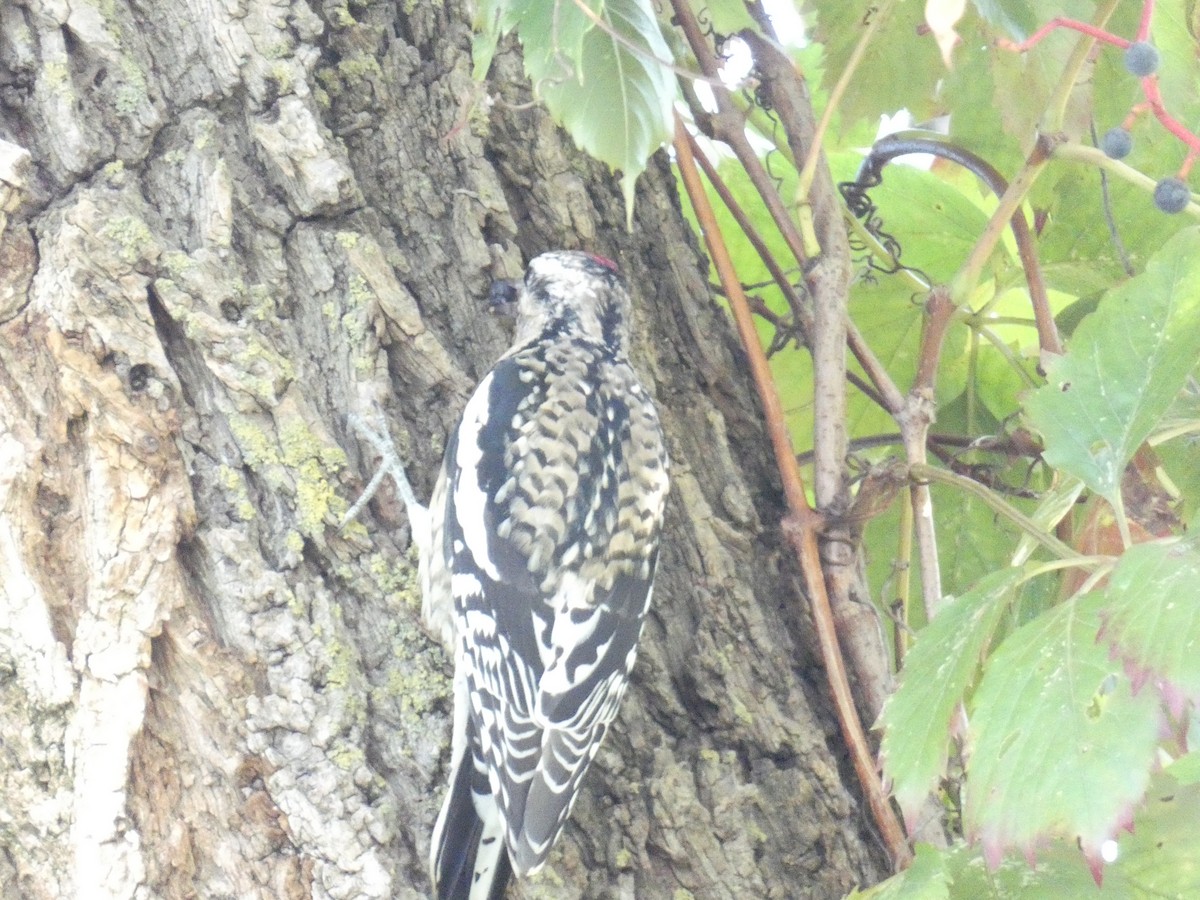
[(1154, 101), (1169, 122), (1135, 113), (1186, 168), (1143, 32), (1074, 24)]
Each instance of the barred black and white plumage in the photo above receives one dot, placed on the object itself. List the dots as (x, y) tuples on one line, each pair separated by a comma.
[(544, 530)]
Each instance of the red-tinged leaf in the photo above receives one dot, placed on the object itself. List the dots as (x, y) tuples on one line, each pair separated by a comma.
[(1152, 618), (1060, 744), (1158, 859)]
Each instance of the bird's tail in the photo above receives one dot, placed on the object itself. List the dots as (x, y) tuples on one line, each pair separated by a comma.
[(468, 860)]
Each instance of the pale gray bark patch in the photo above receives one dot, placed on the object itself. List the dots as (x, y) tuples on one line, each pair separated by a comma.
[(237, 223)]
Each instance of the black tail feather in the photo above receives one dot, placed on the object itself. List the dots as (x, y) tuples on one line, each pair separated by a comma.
[(470, 861)]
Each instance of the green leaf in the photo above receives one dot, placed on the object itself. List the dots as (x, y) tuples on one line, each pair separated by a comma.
[(1056, 503), (1018, 18), (1160, 859), (889, 317), (552, 34), (900, 45), (960, 873), (746, 260), (971, 538), (608, 83), (1180, 68), (982, 119), (937, 672), (1180, 458), (1124, 366), (1162, 856), (1060, 874), (925, 879), (488, 26), (1077, 231), (998, 382), (934, 222), (1060, 745), (1186, 769), (1153, 616), (728, 16)]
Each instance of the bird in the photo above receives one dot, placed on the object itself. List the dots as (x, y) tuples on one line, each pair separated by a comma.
[(537, 555)]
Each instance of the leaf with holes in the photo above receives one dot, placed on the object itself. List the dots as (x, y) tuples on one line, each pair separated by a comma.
[(1125, 364), (1060, 745), (1160, 858), (937, 672)]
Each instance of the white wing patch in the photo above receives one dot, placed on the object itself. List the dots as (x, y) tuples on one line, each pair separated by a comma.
[(464, 584), (469, 499)]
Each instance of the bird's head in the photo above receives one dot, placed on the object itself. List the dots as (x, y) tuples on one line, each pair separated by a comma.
[(571, 293)]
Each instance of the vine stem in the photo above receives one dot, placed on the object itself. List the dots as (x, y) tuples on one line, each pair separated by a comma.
[(890, 398), (799, 308), (1001, 508), (1009, 206), (803, 524), (1093, 156), (795, 303), (904, 142), (1018, 189), (1143, 31), (1101, 564)]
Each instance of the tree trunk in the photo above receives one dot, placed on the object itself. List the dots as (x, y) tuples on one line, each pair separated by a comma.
[(228, 226)]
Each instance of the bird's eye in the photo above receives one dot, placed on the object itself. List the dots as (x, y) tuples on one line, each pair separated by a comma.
[(502, 297)]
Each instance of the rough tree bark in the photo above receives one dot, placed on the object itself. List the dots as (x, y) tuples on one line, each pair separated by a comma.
[(223, 227)]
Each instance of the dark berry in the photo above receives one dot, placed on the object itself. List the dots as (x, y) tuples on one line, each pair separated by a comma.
[(1116, 143), (1171, 195), (1141, 59)]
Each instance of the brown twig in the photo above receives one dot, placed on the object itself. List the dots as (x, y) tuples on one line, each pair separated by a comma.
[(828, 277), (728, 126), (914, 421), (803, 524), (800, 310)]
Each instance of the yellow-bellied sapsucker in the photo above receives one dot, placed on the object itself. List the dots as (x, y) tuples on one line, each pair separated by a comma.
[(538, 554)]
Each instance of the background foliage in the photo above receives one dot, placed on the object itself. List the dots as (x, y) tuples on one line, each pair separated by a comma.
[(1047, 700)]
